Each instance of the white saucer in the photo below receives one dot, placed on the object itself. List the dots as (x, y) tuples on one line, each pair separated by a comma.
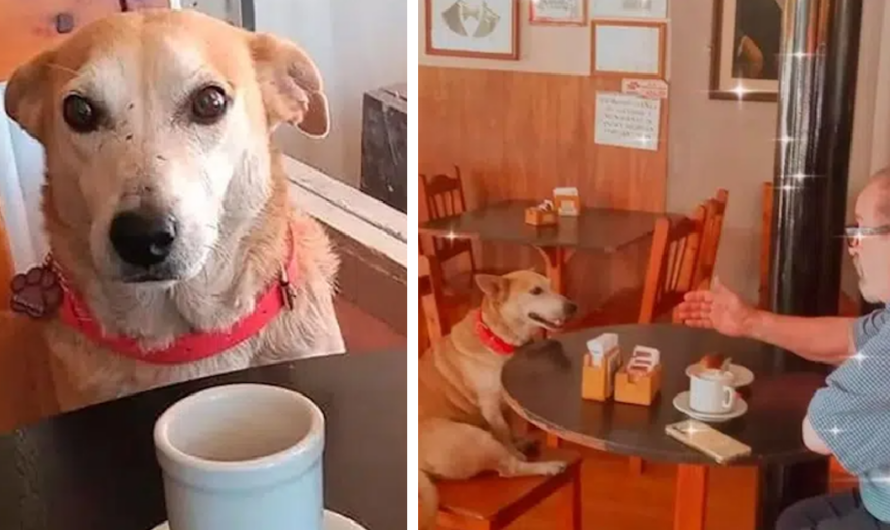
[(741, 376), (332, 521), (681, 403)]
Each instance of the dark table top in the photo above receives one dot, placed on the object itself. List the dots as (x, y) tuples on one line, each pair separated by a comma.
[(543, 382), (597, 229), (95, 469)]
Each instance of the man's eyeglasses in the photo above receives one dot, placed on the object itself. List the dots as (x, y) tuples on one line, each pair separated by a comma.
[(854, 233)]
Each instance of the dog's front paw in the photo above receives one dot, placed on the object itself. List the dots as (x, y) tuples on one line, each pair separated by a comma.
[(36, 293), (550, 468)]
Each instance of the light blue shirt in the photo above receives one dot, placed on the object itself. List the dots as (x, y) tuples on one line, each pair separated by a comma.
[(852, 413)]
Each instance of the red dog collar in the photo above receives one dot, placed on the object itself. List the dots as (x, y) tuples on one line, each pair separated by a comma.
[(492, 341), (192, 347)]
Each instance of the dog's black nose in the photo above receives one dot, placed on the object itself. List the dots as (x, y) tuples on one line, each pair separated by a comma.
[(571, 308), (142, 237)]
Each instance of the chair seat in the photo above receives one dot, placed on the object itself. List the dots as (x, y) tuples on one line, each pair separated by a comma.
[(499, 500)]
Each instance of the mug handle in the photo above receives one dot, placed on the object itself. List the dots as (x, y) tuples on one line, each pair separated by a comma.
[(729, 393)]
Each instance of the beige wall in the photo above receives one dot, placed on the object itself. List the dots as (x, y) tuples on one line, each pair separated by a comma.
[(714, 143)]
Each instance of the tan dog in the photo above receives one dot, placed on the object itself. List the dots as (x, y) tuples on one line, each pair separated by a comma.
[(166, 207), (462, 431)]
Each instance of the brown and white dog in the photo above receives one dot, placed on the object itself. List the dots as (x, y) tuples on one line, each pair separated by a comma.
[(461, 428), (175, 252)]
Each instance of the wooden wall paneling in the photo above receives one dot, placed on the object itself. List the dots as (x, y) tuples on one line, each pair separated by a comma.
[(520, 134)]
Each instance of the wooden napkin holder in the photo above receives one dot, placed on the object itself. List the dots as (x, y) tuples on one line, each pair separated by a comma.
[(639, 387), (567, 201), (597, 379), (536, 216)]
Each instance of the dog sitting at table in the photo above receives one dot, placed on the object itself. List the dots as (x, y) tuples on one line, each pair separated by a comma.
[(462, 430), (174, 250)]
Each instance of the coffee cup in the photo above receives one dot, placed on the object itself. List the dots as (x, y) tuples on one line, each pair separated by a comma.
[(242, 457), (711, 391)]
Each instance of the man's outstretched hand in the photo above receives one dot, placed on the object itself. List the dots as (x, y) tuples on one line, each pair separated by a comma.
[(718, 308)]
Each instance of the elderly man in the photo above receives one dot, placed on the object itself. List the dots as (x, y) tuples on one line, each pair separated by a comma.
[(850, 417)]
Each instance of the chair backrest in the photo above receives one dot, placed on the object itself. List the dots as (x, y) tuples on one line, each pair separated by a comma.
[(672, 263), (7, 269), (430, 287), (444, 195), (715, 211), (766, 224)]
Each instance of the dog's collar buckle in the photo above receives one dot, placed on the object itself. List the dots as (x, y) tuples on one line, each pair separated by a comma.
[(287, 289)]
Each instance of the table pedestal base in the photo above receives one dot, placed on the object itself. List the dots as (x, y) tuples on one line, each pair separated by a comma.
[(555, 259)]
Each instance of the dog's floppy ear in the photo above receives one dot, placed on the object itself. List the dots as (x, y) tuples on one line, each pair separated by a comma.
[(494, 286), (25, 93), (291, 85)]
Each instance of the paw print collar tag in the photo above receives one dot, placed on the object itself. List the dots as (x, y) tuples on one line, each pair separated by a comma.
[(36, 293)]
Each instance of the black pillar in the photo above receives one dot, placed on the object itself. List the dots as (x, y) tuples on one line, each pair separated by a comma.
[(817, 86)]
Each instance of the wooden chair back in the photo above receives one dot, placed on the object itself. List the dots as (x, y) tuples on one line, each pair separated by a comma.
[(673, 261), (430, 287), (715, 211), (766, 236), (444, 197), (7, 268)]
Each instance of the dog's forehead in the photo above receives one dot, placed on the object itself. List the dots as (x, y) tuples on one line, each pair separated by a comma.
[(167, 46), (525, 280)]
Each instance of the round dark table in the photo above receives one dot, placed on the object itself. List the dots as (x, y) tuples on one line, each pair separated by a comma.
[(95, 469), (542, 383)]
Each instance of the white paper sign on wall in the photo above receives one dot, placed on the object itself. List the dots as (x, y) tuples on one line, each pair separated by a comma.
[(630, 121)]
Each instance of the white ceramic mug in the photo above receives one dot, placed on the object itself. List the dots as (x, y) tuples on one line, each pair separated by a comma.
[(711, 391), (242, 457)]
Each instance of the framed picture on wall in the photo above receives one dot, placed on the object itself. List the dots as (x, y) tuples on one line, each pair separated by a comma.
[(628, 48), (630, 8), (745, 49), (473, 28), (558, 12)]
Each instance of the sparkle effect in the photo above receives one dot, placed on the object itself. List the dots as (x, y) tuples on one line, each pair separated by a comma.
[(692, 430), (859, 356)]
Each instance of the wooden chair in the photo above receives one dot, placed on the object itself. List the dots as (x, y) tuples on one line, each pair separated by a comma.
[(7, 268), (429, 287), (715, 211), (766, 234), (444, 197), (490, 502), (673, 262)]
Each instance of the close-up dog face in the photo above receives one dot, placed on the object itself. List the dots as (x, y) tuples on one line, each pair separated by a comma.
[(526, 296), (156, 133)]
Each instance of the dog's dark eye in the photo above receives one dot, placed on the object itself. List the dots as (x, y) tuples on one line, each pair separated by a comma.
[(80, 114), (536, 291), (209, 104)]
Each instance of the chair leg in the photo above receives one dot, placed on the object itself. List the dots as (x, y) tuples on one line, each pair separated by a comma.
[(575, 506)]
